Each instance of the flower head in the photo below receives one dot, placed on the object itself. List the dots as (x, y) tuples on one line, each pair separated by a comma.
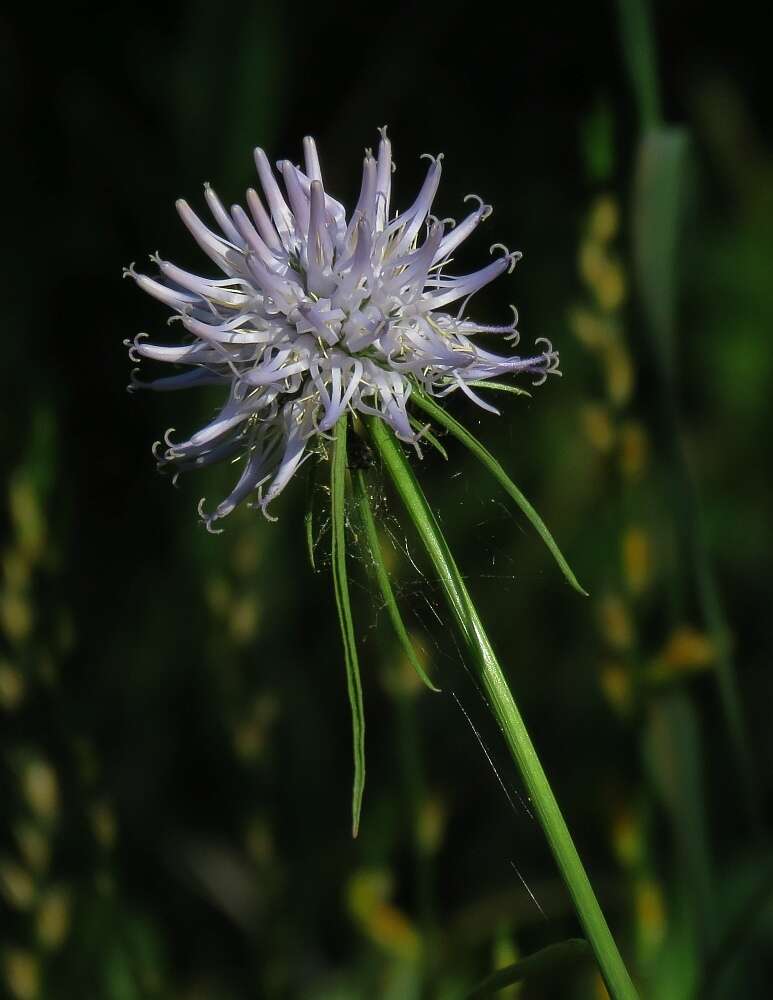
[(319, 313)]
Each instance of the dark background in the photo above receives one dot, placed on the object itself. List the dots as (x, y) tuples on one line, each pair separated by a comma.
[(174, 732)]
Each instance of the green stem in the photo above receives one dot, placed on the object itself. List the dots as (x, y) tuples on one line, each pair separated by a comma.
[(506, 712)]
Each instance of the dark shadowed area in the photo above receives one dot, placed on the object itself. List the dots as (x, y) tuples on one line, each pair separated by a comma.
[(175, 741)]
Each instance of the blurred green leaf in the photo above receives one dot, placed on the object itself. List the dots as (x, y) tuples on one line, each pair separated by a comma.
[(674, 758), (639, 51), (597, 140), (658, 209)]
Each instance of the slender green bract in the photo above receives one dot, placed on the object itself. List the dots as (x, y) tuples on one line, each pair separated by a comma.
[(462, 434), (494, 684), (341, 587), (382, 577)]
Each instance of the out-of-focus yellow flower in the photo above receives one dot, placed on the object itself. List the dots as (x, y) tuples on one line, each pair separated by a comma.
[(634, 450), (431, 824), (387, 926), (103, 824), (627, 837), (53, 918), (592, 260), (41, 788), (243, 617), (27, 516), (604, 219), (218, 595), (17, 885), (597, 426), (611, 287), (688, 649), (252, 730), (599, 270), (34, 845), (615, 622), (637, 559), (619, 373), (16, 569), (246, 554), (650, 912), (616, 683), (15, 615), (22, 974), (593, 332), (11, 686)]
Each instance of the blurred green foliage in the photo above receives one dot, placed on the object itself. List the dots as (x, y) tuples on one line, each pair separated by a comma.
[(175, 743)]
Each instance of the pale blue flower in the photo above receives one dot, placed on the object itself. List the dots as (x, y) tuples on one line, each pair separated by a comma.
[(320, 313)]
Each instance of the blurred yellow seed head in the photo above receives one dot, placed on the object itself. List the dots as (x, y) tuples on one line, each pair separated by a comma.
[(627, 837), (619, 373), (615, 622), (15, 615), (604, 220), (11, 686), (593, 332), (637, 559), (431, 824), (104, 824), (368, 894), (597, 426), (28, 518), (53, 918), (650, 912), (616, 683), (34, 845), (688, 649), (41, 788), (22, 974), (243, 618), (610, 287), (634, 450), (18, 886)]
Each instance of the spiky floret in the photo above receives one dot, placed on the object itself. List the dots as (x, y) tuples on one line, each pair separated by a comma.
[(320, 313)]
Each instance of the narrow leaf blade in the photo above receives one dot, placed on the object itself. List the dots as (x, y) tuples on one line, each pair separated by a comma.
[(343, 603), (440, 416)]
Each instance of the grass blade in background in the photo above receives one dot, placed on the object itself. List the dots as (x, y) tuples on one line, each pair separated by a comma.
[(341, 587), (639, 51), (462, 434), (544, 964), (658, 212), (382, 577)]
